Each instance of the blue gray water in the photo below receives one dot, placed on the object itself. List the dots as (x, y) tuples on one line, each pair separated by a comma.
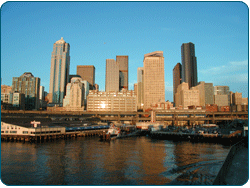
[(129, 161)]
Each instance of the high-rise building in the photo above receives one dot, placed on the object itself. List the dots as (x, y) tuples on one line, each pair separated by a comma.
[(112, 75), (140, 90), (29, 86), (222, 96), (189, 64), (87, 72), (59, 71), (237, 98), (176, 78), (74, 98), (123, 71), (206, 93), (114, 68), (187, 97), (154, 86)]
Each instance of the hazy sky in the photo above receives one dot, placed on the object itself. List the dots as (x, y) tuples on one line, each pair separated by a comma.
[(97, 31)]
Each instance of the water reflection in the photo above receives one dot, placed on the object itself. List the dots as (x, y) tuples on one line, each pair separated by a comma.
[(130, 161)]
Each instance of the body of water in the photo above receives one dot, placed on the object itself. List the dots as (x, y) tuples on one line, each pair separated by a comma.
[(129, 161)]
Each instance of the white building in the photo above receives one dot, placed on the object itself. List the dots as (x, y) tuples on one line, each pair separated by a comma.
[(74, 99), (32, 129)]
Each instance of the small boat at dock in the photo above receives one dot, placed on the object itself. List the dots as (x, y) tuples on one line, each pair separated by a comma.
[(123, 131)]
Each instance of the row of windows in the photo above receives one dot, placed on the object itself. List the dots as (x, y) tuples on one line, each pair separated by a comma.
[(8, 131), (26, 132), (45, 132)]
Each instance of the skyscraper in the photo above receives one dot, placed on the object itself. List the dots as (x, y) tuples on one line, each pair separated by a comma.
[(140, 90), (87, 72), (112, 75), (189, 64), (176, 78), (123, 71), (29, 86), (59, 71), (154, 86)]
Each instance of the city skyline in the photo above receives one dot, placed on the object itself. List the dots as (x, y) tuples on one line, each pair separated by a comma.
[(220, 38)]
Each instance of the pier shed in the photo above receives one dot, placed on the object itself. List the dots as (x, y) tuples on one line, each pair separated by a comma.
[(28, 130)]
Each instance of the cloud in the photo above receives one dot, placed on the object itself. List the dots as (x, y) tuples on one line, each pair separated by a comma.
[(235, 67), (233, 74)]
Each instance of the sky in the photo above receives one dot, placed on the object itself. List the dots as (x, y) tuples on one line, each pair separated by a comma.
[(97, 31)]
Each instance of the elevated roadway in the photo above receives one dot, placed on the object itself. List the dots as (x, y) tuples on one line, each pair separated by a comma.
[(174, 116)]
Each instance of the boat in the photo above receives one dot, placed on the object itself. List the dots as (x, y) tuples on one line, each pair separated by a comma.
[(112, 133)]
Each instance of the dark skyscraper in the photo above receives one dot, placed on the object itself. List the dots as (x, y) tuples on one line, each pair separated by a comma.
[(189, 64), (176, 78), (87, 72), (123, 71)]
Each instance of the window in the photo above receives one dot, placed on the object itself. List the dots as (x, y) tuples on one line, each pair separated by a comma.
[(25, 132), (13, 131)]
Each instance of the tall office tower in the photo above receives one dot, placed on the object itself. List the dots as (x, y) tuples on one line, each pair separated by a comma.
[(123, 71), (112, 75), (30, 86), (140, 90), (176, 78), (59, 71), (154, 86), (189, 64), (87, 72)]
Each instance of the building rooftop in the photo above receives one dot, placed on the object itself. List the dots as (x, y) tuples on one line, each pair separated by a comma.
[(154, 54), (61, 41)]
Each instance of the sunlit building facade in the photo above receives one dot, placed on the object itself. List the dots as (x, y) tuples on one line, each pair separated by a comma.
[(140, 86), (59, 71), (30, 87), (74, 98), (222, 96), (112, 75), (206, 93), (123, 101), (187, 97), (154, 85)]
